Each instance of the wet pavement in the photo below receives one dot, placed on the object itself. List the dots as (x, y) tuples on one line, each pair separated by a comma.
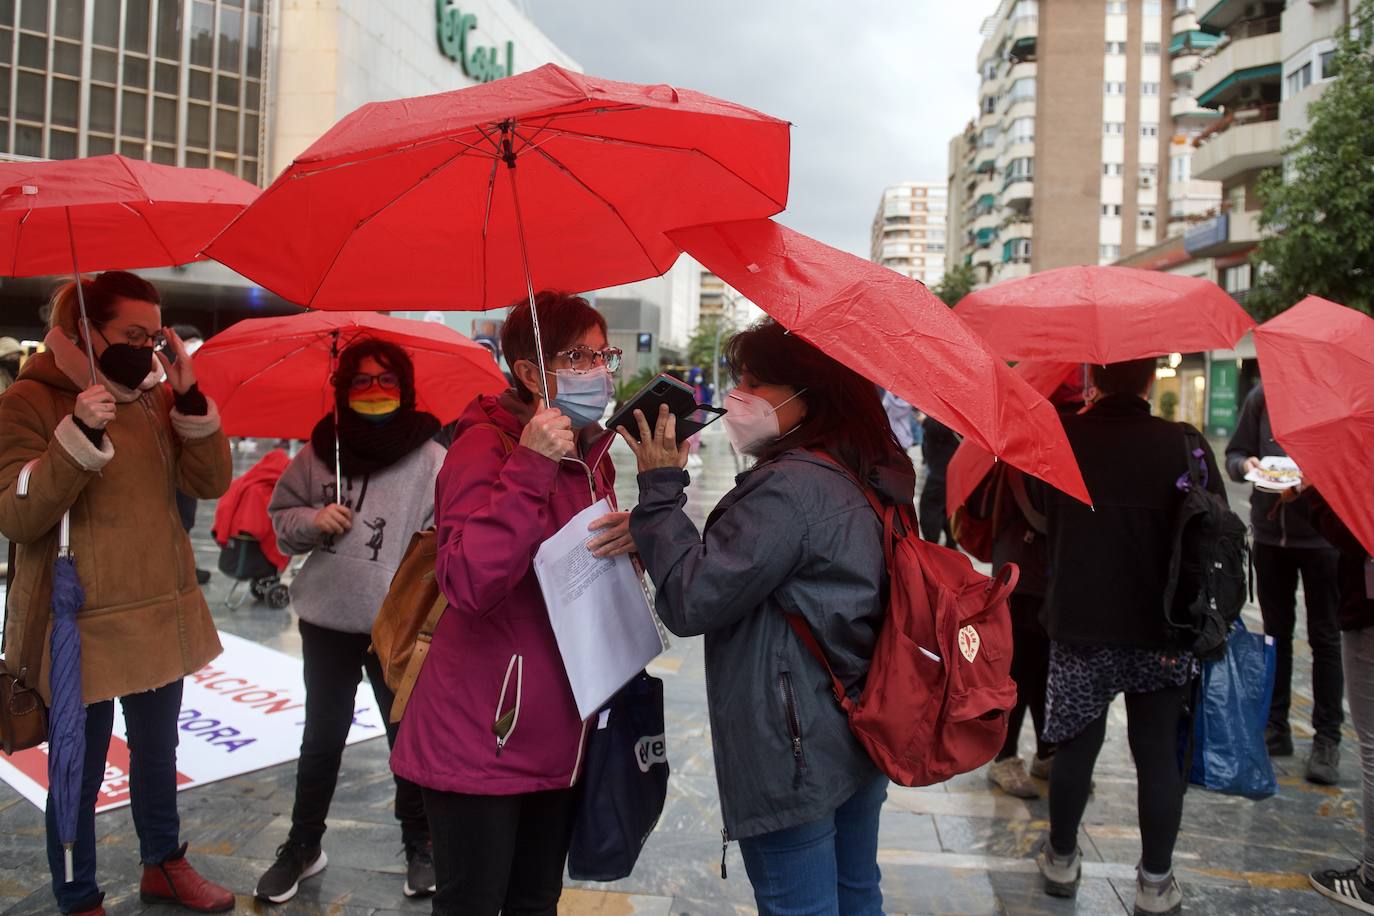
[(957, 848)]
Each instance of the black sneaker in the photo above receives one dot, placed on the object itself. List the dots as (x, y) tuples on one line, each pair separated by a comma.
[(1344, 887), (1324, 764), (419, 871), (294, 864), (1279, 743)]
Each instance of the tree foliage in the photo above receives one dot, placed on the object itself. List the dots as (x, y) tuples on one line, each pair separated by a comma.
[(1318, 219), (701, 349), (955, 284)]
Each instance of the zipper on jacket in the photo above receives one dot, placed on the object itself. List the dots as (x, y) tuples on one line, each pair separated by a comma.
[(503, 726), (794, 727), (724, 846)]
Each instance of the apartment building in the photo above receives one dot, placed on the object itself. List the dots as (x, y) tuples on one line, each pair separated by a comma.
[(1268, 63), (909, 230), (1082, 126)]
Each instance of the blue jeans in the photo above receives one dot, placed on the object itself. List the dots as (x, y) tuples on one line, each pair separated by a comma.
[(151, 722), (828, 866)]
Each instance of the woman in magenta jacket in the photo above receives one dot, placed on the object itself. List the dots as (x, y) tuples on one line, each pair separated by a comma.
[(492, 734)]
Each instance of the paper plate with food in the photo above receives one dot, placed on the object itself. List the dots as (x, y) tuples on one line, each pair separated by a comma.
[(1275, 474)]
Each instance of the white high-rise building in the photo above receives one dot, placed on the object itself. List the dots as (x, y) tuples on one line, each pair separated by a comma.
[(909, 230)]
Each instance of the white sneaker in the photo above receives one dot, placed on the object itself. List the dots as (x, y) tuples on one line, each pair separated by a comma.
[(1157, 898), (1010, 776), (1062, 874)]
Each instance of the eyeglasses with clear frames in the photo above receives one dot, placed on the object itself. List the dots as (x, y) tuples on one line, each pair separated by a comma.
[(139, 337), (585, 359)]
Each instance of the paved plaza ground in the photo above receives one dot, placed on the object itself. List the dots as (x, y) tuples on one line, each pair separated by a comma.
[(957, 848)]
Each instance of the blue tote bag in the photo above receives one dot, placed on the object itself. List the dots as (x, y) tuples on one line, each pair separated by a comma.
[(624, 783), (1229, 754)]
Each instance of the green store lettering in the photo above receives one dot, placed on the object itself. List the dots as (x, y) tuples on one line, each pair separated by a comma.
[(454, 27)]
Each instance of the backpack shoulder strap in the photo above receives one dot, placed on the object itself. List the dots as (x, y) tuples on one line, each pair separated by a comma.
[(808, 639), (1016, 480), (1193, 448), (507, 443), (418, 653)]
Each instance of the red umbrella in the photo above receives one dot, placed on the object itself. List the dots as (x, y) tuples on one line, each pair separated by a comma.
[(415, 201), (1103, 315), (1317, 360), (124, 214), (894, 331), (270, 376), (971, 463)]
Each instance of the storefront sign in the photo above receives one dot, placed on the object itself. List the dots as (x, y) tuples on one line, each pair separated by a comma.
[(454, 27), (1221, 398), (242, 712)]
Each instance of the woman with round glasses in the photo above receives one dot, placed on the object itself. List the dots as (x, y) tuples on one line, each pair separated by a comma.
[(355, 527), (492, 732), (109, 452)]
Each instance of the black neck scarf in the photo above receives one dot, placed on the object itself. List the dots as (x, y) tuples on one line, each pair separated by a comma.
[(365, 448)]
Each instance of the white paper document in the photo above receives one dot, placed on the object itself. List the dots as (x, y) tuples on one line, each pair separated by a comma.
[(603, 623)]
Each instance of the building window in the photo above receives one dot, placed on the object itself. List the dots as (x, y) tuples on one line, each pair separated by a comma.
[(989, 104), (1111, 169), (1150, 48), (1022, 90), (1181, 169), (1025, 9), (1146, 213), (1149, 88), (1183, 5), (1328, 62), (1116, 7), (1147, 174), (1111, 88), (1111, 209), (1109, 252), (1114, 128), (1300, 79), (1019, 169), (1151, 8), (1023, 130), (1149, 130), (1116, 47)]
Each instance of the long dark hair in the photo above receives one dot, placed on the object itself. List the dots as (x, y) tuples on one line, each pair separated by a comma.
[(390, 356), (844, 415)]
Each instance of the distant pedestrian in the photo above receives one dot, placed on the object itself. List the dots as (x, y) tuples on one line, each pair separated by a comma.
[(389, 463), (795, 536), (900, 416), (937, 448), (1109, 567), (10, 355), (1287, 546)]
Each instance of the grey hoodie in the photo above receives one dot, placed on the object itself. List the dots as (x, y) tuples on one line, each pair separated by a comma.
[(345, 578), (795, 535)]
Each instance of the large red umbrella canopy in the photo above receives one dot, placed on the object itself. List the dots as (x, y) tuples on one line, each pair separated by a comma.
[(895, 332), (124, 214), (1103, 315), (971, 463), (1317, 361), (411, 202), (270, 376)]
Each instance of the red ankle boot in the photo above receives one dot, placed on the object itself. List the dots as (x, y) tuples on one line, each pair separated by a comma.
[(175, 881), (96, 909)]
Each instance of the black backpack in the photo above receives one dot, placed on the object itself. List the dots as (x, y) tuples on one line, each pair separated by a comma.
[(1209, 565)]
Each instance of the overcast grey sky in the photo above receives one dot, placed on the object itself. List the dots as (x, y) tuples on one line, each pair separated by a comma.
[(874, 88)]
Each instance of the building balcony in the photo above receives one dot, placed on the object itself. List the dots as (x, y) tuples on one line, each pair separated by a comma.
[(987, 186), (1191, 42), (985, 222), (984, 255), (1242, 61), (1018, 193), (1182, 67), (1022, 228), (1186, 108), (1233, 16), (1012, 270), (1237, 144), (1023, 27), (1225, 233)]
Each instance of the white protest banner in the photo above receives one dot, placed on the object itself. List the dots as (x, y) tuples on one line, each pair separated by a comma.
[(242, 712)]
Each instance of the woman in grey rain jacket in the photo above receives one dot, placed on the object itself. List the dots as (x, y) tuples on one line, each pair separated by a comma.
[(796, 535)]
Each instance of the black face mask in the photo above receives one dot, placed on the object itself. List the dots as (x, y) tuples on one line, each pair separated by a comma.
[(126, 365)]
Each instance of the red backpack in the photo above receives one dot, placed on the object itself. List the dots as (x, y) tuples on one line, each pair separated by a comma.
[(939, 687)]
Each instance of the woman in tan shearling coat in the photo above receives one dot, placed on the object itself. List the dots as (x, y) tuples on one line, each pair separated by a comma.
[(113, 451)]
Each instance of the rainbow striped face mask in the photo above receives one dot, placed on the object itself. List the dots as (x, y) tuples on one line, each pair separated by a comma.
[(375, 398)]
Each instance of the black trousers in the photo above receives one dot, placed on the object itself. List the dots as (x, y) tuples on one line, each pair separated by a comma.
[(1276, 579), (930, 509), (1030, 669), (334, 666), (1153, 725), (500, 853)]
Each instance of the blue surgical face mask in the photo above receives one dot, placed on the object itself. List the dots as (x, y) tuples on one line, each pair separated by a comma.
[(583, 396)]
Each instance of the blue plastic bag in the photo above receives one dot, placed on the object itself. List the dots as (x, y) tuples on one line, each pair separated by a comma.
[(1229, 754)]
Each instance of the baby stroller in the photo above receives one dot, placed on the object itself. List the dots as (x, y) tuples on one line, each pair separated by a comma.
[(242, 560), (248, 545)]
